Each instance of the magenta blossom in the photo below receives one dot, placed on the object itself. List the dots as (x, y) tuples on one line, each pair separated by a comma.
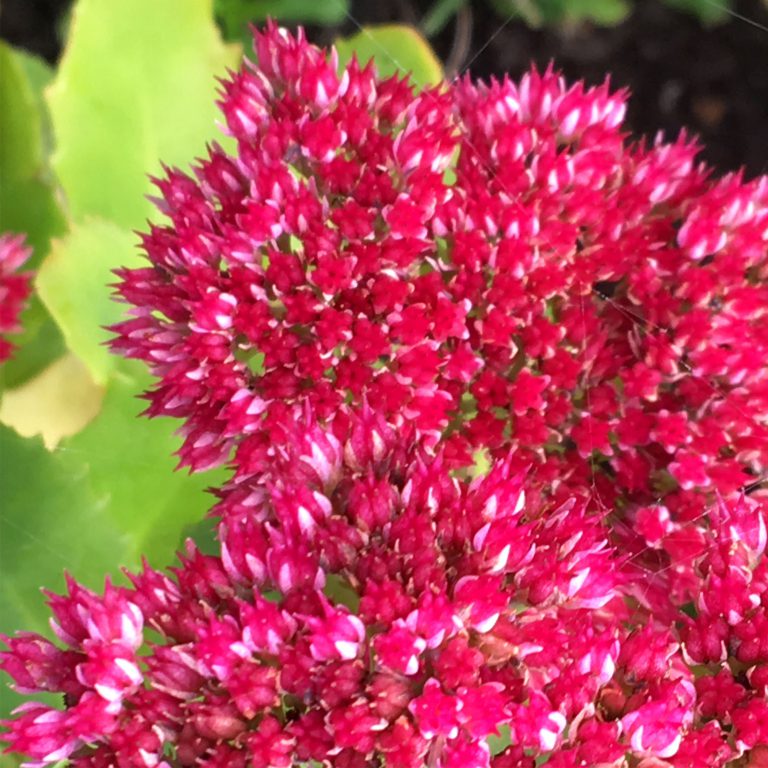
[(14, 288), (491, 266), (379, 287), (402, 635)]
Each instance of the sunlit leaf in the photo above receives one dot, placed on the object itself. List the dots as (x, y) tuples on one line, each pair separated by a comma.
[(74, 285), (39, 75), (27, 199), (56, 403), (394, 48), (135, 87), (130, 466)]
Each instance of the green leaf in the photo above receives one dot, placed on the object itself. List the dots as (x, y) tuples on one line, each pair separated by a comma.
[(27, 198), (204, 534), (438, 16), (73, 283), (39, 343), (538, 13), (339, 591), (395, 48), (498, 744), (235, 15), (605, 13), (529, 11), (38, 71), (708, 11), (130, 466), (39, 75), (135, 87), (100, 501), (50, 521)]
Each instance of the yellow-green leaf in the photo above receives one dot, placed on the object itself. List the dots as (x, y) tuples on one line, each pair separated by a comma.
[(102, 499), (50, 522), (73, 283), (395, 48), (130, 464), (56, 403), (135, 87)]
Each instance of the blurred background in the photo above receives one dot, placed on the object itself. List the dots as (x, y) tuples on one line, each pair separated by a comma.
[(701, 64)]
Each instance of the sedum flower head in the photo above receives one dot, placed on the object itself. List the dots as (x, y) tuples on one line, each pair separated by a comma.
[(489, 266), (370, 606), (367, 605), (376, 286), (14, 288)]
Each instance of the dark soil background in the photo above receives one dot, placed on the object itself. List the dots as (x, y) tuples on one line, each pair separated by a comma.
[(712, 80)]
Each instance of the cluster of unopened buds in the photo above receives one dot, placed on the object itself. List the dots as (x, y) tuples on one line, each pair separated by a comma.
[(492, 383), (14, 288)]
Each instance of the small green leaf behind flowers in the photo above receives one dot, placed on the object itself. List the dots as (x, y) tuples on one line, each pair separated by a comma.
[(236, 16), (394, 48)]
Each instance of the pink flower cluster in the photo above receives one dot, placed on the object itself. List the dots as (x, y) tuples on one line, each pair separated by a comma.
[(491, 266), (14, 288), (380, 288), (369, 605)]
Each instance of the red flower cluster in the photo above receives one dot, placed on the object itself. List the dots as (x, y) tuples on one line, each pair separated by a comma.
[(490, 266), (378, 285), (14, 288), (369, 605)]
